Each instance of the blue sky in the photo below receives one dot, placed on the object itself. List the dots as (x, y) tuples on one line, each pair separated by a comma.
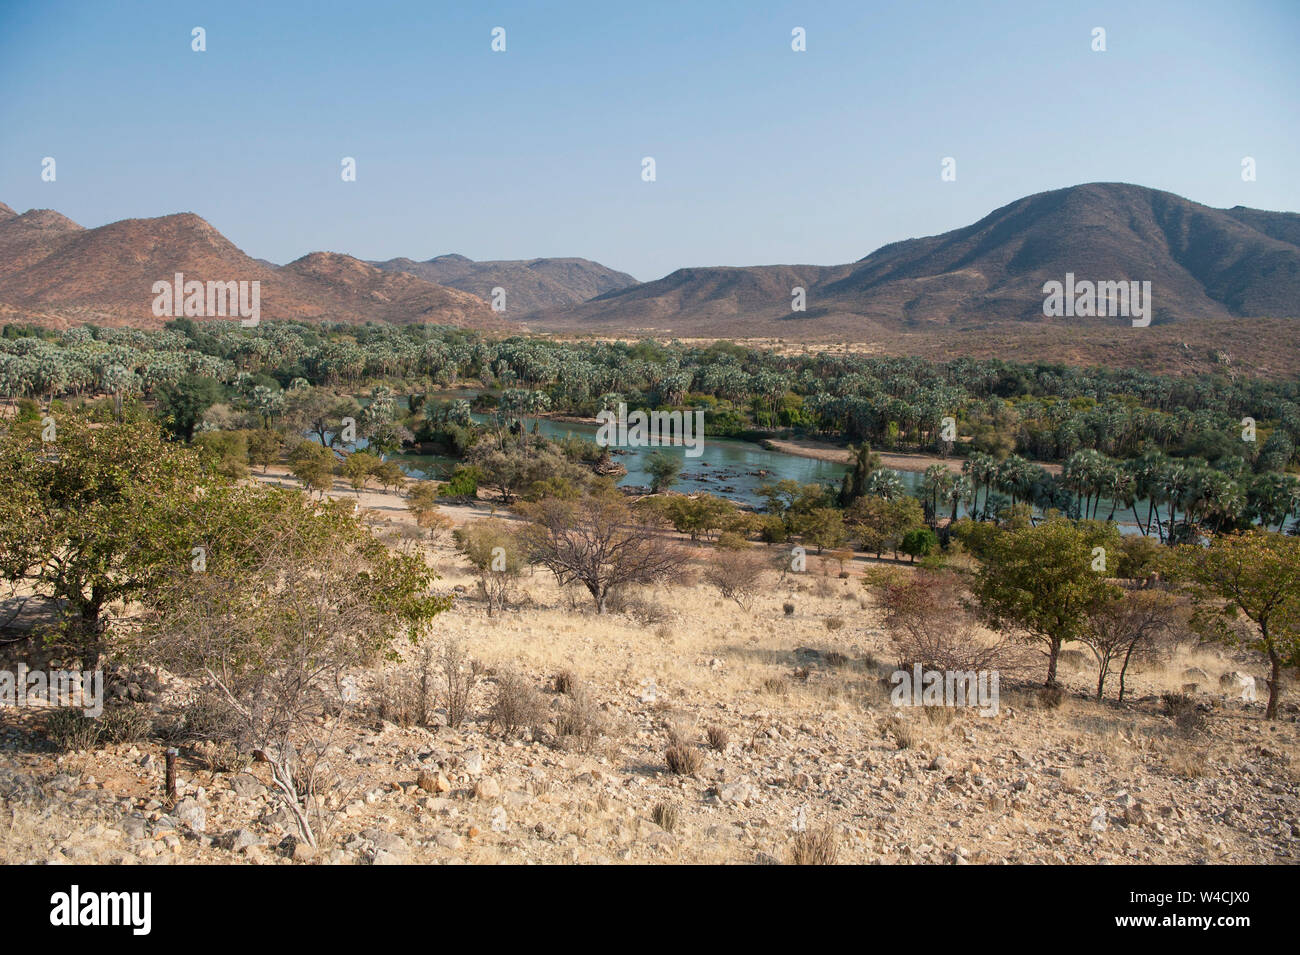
[(763, 155)]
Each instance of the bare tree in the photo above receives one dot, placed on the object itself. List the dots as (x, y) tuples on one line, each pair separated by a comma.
[(596, 542), (930, 622), (736, 574), (1131, 629)]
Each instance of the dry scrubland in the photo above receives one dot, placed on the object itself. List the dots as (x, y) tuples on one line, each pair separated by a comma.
[(780, 720)]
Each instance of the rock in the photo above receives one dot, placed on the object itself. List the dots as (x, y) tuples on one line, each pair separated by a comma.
[(1098, 823), (499, 820), (189, 813), (473, 763), (740, 793), (242, 839), (428, 782), (487, 788), (1242, 685), (246, 786), (447, 839), (302, 852)]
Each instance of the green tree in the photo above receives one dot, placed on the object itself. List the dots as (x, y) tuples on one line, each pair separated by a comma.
[(95, 516), (181, 405), (919, 542), (1047, 580), (663, 469), (1256, 575)]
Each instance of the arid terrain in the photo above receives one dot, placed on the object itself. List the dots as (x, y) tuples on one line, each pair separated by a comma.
[(804, 735)]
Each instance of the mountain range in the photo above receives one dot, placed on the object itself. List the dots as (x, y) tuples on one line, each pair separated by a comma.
[(1203, 263), (975, 289), (529, 284)]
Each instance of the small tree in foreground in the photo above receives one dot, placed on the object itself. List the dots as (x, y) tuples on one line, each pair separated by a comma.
[(493, 549), (597, 542), (1047, 580), (1130, 629), (736, 573), (1257, 575), (293, 595)]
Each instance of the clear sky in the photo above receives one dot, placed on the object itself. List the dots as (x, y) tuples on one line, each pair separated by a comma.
[(763, 154)]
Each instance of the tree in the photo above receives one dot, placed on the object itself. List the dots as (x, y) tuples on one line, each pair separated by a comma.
[(292, 595), (663, 469), (880, 523), (313, 465), (264, 447), (1255, 574), (736, 573), (1127, 629), (597, 543), (358, 467), (181, 405), (95, 516), (494, 550), (1041, 580), (821, 527), (919, 542)]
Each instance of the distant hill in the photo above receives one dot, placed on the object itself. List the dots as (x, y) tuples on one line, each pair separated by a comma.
[(529, 284), (1203, 263), (57, 272)]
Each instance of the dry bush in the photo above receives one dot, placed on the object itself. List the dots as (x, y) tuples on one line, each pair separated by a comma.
[(736, 573), (788, 608), (518, 704), (815, 847), (579, 724), (718, 737), (1191, 762), (564, 682), (905, 734), (834, 623), (459, 676), (683, 759), (665, 816), (1050, 697), (833, 658), (776, 685), (930, 622), (70, 729)]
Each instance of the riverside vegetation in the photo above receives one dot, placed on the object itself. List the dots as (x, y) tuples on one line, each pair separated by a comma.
[(523, 661)]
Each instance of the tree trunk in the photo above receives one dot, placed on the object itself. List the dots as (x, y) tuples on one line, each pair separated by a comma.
[(1051, 661), (1274, 684)]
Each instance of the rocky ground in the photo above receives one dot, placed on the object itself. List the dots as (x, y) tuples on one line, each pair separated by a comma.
[(811, 741)]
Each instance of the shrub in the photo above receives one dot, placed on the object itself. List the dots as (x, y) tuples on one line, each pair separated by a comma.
[(815, 847), (736, 574), (518, 704), (788, 608), (1050, 697), (665, 816), (564, 681), (682, 758), (718, 737)]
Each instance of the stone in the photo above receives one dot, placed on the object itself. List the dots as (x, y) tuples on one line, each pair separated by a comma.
[(447, 839), (189, 813), (487, 788)]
